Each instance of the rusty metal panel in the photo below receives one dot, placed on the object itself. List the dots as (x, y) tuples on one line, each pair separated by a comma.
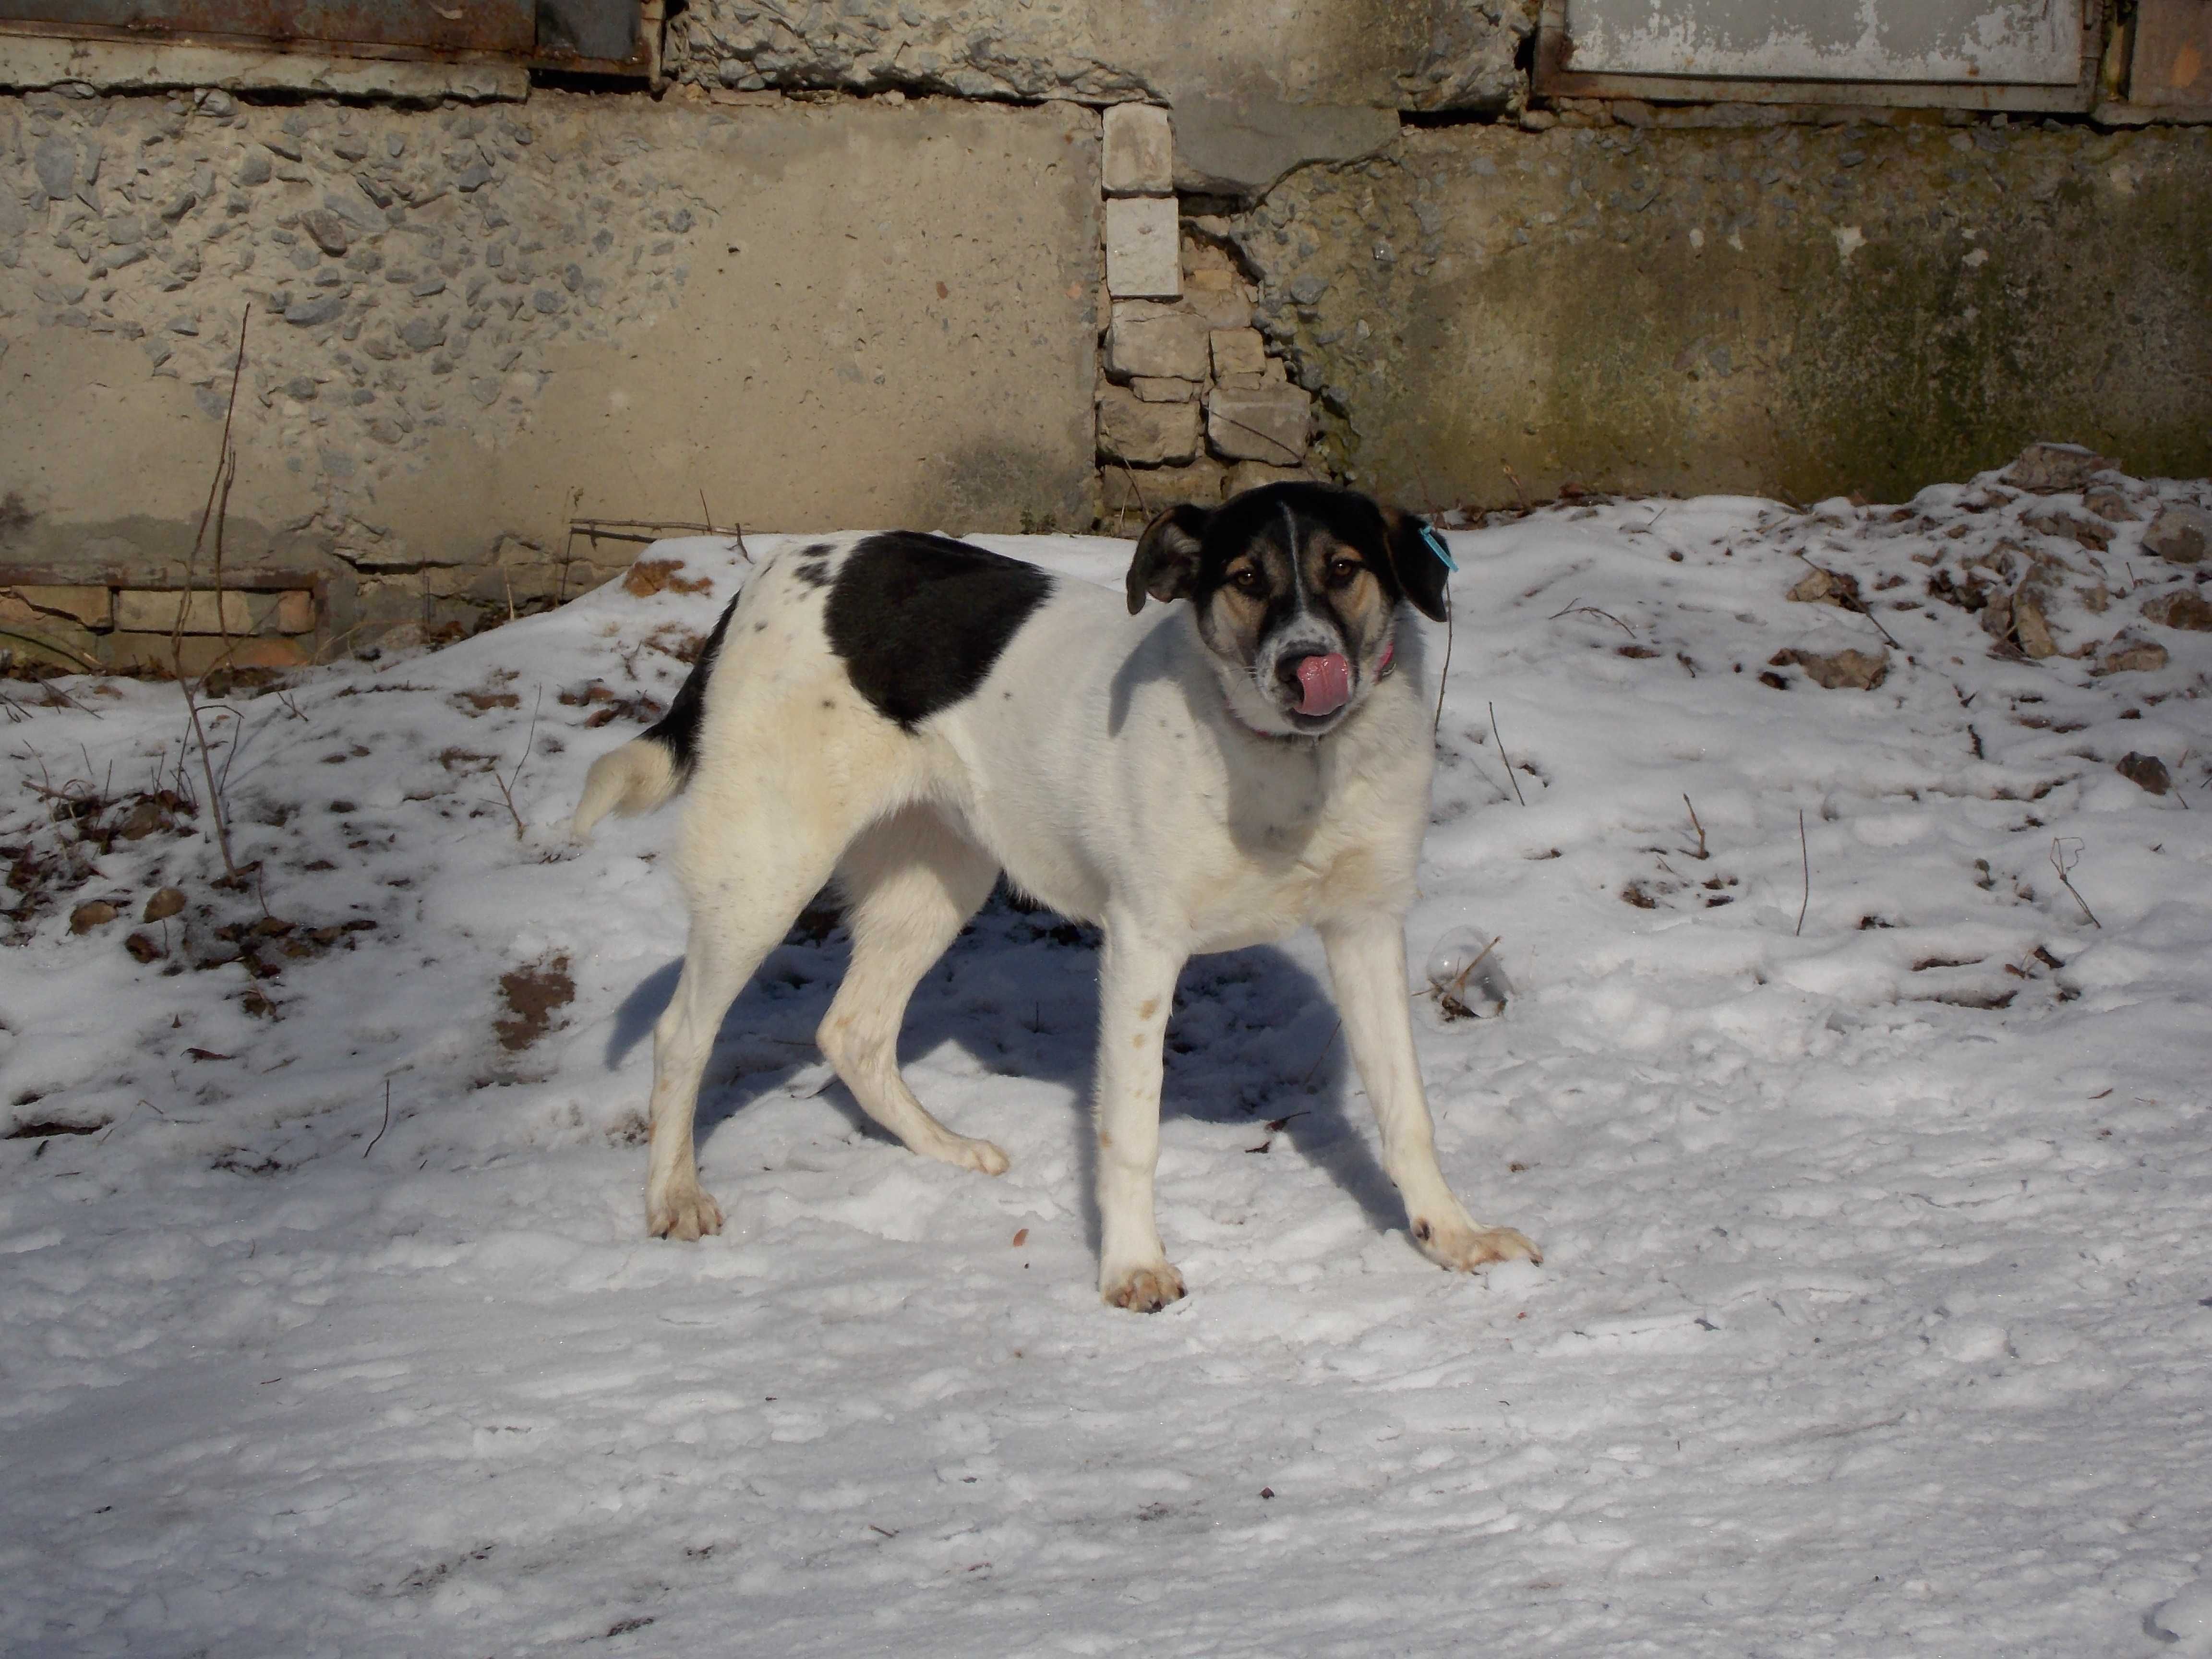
[(1904, 54), (2013, 42), (2170, 67), (596, 31), (428, 25)]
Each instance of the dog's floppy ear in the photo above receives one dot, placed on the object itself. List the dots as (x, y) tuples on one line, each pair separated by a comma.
[(1418, 554), (1166, 565)]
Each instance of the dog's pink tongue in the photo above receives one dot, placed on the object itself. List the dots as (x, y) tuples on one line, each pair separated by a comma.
[(1327, 682)]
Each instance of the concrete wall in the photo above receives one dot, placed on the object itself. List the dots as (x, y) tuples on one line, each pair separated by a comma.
[(470, 325), (763, 298), (1805, 309), (1380, 54)]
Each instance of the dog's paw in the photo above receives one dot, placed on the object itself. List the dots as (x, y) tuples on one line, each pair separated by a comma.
[(684, 1213), (979, 1155), (1461, 1245), (1142, 1290)]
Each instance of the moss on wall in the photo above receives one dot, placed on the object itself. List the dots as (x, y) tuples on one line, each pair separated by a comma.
[(1799, 310)]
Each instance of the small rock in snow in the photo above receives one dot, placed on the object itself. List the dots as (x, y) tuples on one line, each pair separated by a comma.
[(2048, 468), (86, 917), (1827, 587), (2186, 609), (2146, 772), (2132, 657), (2180, 534), (1854, 671)]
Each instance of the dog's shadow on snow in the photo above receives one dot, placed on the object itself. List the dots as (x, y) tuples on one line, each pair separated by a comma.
[(1254, 1039)]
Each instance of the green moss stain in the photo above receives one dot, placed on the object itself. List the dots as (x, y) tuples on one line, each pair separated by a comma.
[(1797, 310)]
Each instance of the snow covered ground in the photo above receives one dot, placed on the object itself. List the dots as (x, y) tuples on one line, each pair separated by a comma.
[(1877, 1314)]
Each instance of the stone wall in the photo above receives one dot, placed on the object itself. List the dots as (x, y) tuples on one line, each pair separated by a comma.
[(1808, 309), (469, 325)]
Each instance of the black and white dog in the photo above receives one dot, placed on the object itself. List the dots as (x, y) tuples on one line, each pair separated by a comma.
[(913, 714)]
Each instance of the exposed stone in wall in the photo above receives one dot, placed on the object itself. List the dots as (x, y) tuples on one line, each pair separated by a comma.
[(1388, 54), (1191, 403), (1805, 309)]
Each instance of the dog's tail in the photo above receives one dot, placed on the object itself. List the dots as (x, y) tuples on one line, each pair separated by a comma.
[(646, 771), (635, 778)]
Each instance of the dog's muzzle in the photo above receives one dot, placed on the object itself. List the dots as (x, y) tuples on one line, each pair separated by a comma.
[(1321, 680)]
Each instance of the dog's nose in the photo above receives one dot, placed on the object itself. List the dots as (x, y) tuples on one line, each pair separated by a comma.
[(1319, 681)]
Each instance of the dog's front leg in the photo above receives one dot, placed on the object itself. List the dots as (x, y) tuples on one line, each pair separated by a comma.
[(1136, 989), (1367, 961)]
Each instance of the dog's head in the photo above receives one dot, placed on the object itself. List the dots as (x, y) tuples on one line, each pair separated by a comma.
[(1296, 588)]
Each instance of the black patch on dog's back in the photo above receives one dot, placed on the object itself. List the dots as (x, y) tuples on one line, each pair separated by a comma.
[(812, 565), (919, 620), (680, 727)]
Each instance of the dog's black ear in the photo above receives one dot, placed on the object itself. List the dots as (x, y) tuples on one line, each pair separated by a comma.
[(1416, 555), (1166, 565)]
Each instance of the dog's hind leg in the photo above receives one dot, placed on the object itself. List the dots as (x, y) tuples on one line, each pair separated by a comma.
[(909, 883), (739, 914)]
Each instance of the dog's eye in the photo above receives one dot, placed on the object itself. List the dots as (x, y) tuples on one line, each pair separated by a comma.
[(1246, 581), (1342, 570)]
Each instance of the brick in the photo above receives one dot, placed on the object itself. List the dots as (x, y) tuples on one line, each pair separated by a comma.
[(1157, 341), (1150, 491), (1252, 475), (87, 605), (153, 610), (1268, 424), (295, 612), (43, 638), (1238, 351), (1142, 261), (1139, 152), (1163, 392), (1147, 435)]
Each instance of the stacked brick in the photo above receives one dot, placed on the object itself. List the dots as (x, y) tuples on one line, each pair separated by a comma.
[(1190, 405), (135, 629)]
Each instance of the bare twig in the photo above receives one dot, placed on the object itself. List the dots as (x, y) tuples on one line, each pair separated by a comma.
[(506, 785), (1334, 1033), (2062, 864), (1505, 757), (371, 1147), (1517, 489), (51, 645), (1136, 489), (1576, 609), (218, 501), (1460, 978), (1699, 827), (1805, 852), (1444, 674), (1849, 600)]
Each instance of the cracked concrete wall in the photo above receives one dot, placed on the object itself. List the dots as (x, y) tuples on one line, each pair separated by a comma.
[(470, 324), (1793, 309), (1378, 54)]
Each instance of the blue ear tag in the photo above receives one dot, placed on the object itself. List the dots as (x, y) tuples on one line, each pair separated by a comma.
[(1436, 544)]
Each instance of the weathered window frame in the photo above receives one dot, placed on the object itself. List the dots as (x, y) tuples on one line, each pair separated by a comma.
[(1555, 78), (463, 49)]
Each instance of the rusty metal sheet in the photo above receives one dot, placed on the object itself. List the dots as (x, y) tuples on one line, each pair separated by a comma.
[(426, 25), (2014, 42), (1699, 64), (596, 31), (2170, 67)]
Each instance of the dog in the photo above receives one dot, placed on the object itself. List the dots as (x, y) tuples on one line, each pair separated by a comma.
[(911, 716)]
